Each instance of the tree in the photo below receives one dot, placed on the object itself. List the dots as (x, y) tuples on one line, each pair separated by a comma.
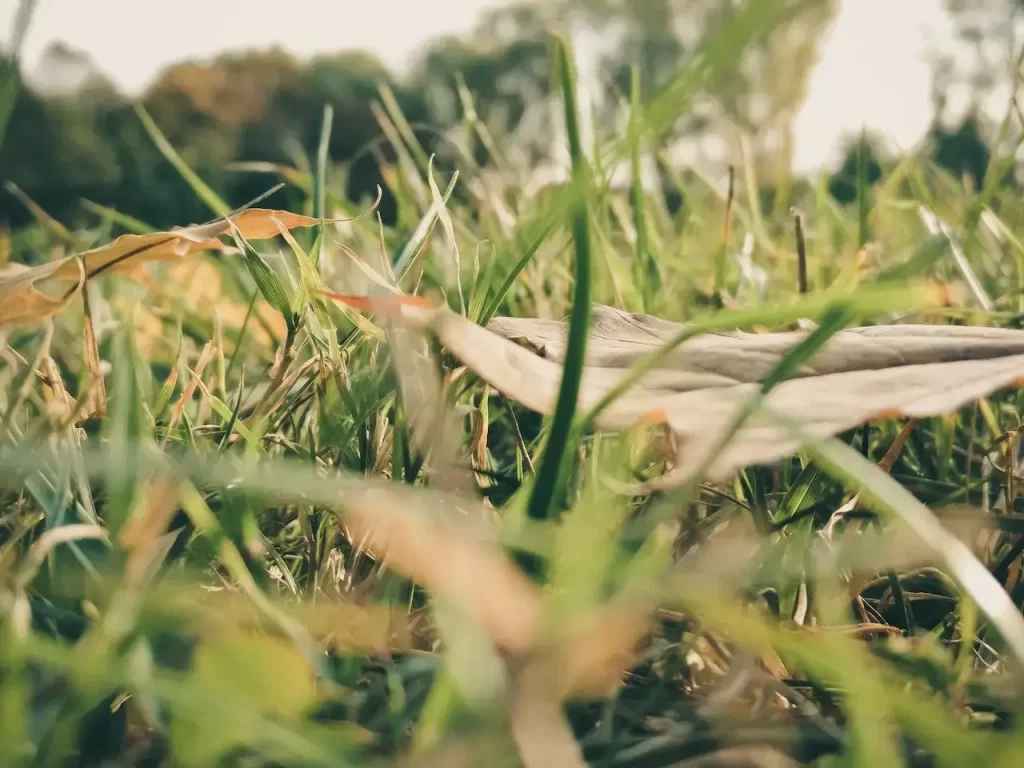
[(759, 97), (975, 84), (842, 185), (963, 150), (505, 70), (79, 138)]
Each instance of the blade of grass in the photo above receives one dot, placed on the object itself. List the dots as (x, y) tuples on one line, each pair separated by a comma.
[(410, 250), (205, 193), (320, 181), (647, 272), (550, 475), (885, 495), (863, 192), (446, 224)]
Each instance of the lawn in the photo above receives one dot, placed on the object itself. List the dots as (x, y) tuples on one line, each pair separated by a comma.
[(296, 488)]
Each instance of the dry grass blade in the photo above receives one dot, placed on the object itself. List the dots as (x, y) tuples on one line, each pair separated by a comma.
[(97, 405), (452, 563), (186, 396), (589, 659), (538, 722)]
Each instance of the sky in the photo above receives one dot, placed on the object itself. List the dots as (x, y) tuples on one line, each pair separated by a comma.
[(872, 69)]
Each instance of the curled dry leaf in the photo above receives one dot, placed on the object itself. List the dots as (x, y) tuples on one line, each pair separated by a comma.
[(21, 301), (860, 375)]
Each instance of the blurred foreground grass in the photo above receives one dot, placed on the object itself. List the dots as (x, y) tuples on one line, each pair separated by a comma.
[(196, 504)]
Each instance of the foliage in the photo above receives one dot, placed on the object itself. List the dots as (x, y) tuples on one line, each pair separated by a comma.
[(242, 523), (243, 111)]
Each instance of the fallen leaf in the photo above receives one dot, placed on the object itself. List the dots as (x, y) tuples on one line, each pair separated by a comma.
[(860, 375), (128, 251), (21, 301), (619, 340)]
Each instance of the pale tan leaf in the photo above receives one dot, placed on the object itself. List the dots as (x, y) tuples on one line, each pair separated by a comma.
[(824, 405), (860, 375), (619, 340)]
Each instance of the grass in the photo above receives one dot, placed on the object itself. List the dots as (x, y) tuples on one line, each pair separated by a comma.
[(191, 565)]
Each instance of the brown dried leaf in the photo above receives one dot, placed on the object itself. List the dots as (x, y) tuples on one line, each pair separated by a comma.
[(128, 251), (22, 302), (860, 375)]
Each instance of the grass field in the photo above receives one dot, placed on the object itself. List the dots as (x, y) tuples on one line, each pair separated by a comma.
[(243, 522)]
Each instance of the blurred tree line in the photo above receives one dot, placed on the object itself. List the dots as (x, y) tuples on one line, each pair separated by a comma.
[(72, 136)]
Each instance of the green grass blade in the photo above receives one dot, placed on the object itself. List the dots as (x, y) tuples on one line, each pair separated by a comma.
[(320, 180), (205, 193), (538, 235), (647, 272), (863, 192), (887, 496), (268, 283), (549, 484), (411, 248), (445, 218), (123, 220)]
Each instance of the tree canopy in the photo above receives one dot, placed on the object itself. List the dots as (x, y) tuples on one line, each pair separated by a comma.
[(72, 136)]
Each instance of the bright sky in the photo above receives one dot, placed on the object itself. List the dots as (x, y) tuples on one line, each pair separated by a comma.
[(872, 69)]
